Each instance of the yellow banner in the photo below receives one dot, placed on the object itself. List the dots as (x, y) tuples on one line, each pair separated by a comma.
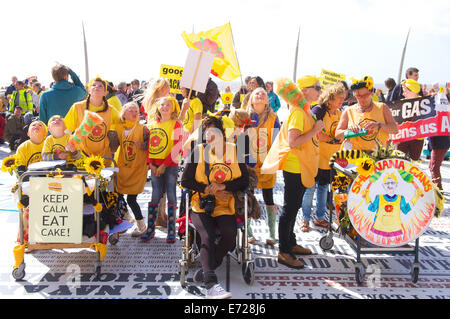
[(329, 77), (173, 74), (227, 98), (217, 41)]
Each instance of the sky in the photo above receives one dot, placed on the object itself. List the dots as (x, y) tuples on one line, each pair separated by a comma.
[(131, 39)]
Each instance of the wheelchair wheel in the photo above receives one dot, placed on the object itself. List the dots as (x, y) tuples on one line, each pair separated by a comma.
[(248, 272), (19, 272), (326, 242), (360, 273), (114, 239), (182, 270), (97, 269), (415, 272)]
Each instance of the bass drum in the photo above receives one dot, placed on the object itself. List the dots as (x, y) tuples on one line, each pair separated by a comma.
[(394, 205)]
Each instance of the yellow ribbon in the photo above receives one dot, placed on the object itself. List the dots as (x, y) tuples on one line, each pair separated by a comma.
[(100, 248), (19, 252)]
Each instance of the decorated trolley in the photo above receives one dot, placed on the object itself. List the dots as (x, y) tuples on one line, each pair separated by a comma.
[(61, 207), (383, 202)]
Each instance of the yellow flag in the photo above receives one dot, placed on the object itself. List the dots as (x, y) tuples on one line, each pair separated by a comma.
[(217, 41)]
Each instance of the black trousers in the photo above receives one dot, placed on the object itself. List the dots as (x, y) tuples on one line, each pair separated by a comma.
[(211, 255), (293, 197), (132, 202)]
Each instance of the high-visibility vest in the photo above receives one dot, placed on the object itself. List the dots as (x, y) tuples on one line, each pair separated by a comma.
[(23, 100)]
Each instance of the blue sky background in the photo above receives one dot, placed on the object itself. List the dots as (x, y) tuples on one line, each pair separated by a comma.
[(131, 39)]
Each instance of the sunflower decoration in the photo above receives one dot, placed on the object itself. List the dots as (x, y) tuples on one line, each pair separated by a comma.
[(340, 183), (365, 166), (94, 165), (9, 164), (98, 207)]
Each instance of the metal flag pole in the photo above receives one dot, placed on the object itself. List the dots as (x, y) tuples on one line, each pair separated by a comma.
[(86, 65), (296, 57), (403, 58), (234, 47)]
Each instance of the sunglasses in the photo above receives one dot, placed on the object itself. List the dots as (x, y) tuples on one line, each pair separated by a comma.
[(317, 87), (361, 95)]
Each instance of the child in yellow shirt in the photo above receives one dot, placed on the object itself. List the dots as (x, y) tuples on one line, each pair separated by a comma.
[(29, 152), (132, 161), (56, 146)]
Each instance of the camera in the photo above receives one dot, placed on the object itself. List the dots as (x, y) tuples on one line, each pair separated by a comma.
[(208, 203)]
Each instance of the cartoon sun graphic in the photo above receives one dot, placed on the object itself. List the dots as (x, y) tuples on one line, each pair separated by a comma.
[(94, 164)]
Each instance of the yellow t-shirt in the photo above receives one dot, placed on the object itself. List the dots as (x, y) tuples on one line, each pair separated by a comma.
[(327, 150), (196, 107), (29, 153), (97, 142), (115, 103), (295, 121), (72, 121), (222, 170), (56, 145), (131, 160), (367, 142)]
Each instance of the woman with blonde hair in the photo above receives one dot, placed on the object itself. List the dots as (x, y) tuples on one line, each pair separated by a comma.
[(265, 127), (158, 88), (131, 160), (327, 109)]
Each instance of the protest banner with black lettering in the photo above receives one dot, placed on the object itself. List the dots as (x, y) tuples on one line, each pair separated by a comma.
[(329, 77), (419, 118), (56, 210), (173, 74)]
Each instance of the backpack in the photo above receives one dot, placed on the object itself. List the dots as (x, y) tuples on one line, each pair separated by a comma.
[(210, 96)]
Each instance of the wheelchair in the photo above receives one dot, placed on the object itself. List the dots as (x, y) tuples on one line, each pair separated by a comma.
[(241, 253)]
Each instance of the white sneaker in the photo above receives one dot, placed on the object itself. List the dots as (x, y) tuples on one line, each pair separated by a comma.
[(127, 216), (140, 228), (217, 292)]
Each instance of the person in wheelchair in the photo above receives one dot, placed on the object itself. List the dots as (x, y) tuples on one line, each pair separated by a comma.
[(213, 173)]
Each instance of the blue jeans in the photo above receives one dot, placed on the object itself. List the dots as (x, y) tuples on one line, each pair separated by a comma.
[(166, 182), (321, 201)]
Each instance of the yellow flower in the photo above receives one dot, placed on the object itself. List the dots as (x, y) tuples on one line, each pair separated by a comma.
[(94, 164), (20, 206), (366, 167), (9, 164), (98, 207)]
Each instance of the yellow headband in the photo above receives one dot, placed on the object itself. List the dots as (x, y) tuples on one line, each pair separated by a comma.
[(307, 81), (175, 105), (227, 123), (365, 82), (98, 79)]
